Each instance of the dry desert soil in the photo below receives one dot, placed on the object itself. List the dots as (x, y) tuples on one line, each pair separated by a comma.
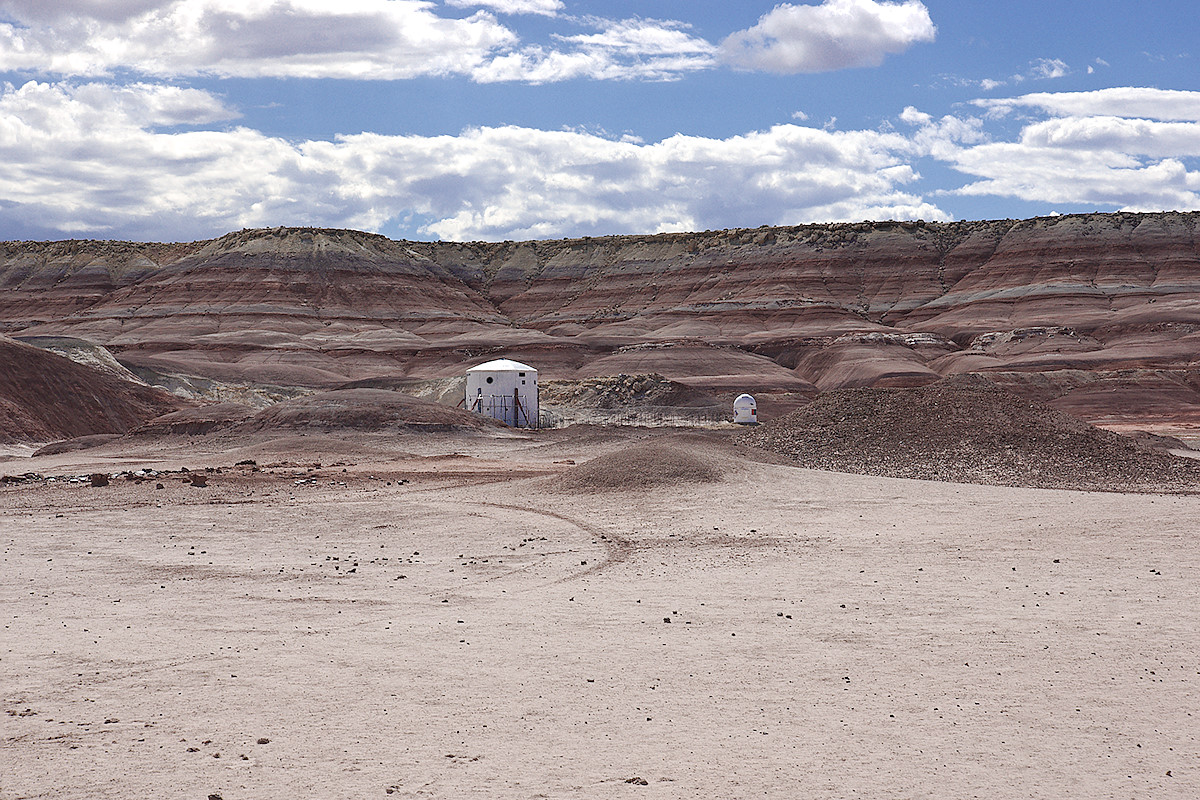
[(583, 613)]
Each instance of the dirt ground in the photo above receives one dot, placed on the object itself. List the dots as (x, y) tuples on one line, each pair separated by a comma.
[(449, 616)]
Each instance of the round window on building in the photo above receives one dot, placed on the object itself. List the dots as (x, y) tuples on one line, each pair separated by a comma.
[(489, 380)]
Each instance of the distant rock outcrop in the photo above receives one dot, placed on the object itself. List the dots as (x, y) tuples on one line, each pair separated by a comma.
[(1072, 309)]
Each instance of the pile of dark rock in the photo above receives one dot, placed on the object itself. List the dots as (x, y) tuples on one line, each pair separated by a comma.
[(968, 430)]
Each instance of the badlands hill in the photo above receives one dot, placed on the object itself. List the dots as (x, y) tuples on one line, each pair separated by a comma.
[(1098, 314), (45, 396)]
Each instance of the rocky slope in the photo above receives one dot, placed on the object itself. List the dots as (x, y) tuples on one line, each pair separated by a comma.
[(45, 397), (1098, 314)]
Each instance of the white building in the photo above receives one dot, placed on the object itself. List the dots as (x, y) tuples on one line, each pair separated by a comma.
[(505, 390), (745, 410)]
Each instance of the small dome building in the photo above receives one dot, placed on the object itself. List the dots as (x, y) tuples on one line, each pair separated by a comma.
[(505, 390), (745, 410)]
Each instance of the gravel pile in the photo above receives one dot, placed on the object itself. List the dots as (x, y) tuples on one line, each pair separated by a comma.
[(641, 466), (967, 430)]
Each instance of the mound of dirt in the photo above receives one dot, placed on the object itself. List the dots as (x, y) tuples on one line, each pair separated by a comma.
[(364, 410), (966, 430), (76, 444), (641, 466), (623, 391), (45, 397), (197, 421)]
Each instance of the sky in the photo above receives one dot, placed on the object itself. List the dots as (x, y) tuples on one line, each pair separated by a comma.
[(178, 120)]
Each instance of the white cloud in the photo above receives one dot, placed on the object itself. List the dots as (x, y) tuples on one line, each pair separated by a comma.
[(111, 161), (915, 117), (833, 35), (1066, 176), (1124, 147), (548, 8), (376, 39), (108, 10), (642, 37), (144, 105), (526, 183), (71, 164), (401, 39), (1125, 101), (1047, 69), (1116, 135), (644, 49)]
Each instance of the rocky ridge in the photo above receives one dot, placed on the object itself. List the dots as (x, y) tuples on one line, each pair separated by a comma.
[(1075, 309)]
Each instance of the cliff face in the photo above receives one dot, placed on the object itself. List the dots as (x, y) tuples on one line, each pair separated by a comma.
[(1067, 308)]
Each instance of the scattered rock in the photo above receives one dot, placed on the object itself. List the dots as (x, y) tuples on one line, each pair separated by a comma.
[(966, 430)]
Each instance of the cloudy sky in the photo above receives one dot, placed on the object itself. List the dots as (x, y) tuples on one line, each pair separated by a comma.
[(514, 119)]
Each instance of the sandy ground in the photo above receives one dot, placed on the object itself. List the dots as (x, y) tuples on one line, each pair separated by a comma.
[(438, 621)]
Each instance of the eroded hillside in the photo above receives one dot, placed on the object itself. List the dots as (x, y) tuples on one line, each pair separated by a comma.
[(1098, 314)]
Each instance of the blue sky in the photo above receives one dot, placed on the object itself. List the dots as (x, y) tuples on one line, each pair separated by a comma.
[(515, 119)]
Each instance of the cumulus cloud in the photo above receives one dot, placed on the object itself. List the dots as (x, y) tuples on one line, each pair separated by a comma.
[(401, 39), (833, 35), (151, 162), (1117, 135), (355, 39), (1053, 175), (376, 39), (72, 165), (1126, 147)]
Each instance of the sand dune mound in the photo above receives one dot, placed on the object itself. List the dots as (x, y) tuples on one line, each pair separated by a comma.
[(364, 410), (642, 466), (966, 430), (46, 397)]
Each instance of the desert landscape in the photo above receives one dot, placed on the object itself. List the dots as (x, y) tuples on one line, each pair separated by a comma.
[(252, 547)]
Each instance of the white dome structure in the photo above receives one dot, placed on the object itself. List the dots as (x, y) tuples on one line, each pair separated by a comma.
[(505, 390), (745, 410)]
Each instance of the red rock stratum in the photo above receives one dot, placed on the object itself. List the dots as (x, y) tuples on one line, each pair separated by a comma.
[(45, 397), (1098, 314)]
